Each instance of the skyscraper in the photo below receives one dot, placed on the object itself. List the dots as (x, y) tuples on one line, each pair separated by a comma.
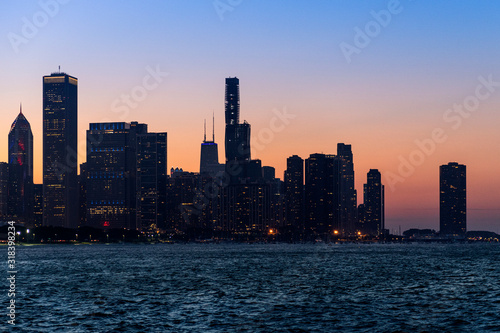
[(232, 101), (348, 194), (294, 194), (321, 193), (373, 206), (21, 170), (151, 181), (60, 183), (82, 187), (209, 157), (453, 199), (111, 174), (237, 142), (244, 203)]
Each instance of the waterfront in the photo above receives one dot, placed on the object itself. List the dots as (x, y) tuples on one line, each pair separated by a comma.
[(258, 288)]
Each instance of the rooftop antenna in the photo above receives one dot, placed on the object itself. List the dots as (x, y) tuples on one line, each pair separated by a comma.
[(213, 126), (21, 108), (59, 68), (204, 130)]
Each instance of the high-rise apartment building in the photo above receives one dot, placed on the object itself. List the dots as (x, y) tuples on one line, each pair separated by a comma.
[(237, 141), (294, 194), (322, 193), (373, 207), (452, 199), (151, 185), (348, 194)]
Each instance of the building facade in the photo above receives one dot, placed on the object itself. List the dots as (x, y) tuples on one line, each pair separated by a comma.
[(21, 170), (60, 150), (111, 174), (452, 199), (237, 140), (294, 195), (348, 194), (4, 191), (373, 212), (151, 181), (322, 194)]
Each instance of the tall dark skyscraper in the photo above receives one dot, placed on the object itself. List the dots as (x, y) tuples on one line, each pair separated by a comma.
[(151, 181), (373, 206), (21, 170), (452, 199), (209, 157), (244, 204), (237, 135), (294, 194), (232, 101), (322, 193), (111, 174), (348, 194), (60, 152)]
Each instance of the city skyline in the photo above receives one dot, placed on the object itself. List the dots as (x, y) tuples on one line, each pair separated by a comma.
[(344, 157), (323, 96)]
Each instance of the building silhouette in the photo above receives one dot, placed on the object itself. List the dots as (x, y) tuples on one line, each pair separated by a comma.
[(237, 141), (348, 194), (322, 194), (21, 170), (244, 202), (38, 205), (372, 219), (294, 196), (181, 196), (452, 199), (209, 157), (245, 210), (60, 151), (111, 174), (4, 190), (277, 193), (361, 226), (82, 197), (151, 181)]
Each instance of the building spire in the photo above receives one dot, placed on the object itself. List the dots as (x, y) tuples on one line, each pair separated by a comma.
[(204, 130), (213, 126), (21, 108)]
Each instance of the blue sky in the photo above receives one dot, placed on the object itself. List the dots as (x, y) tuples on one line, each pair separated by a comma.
[(287, 55)]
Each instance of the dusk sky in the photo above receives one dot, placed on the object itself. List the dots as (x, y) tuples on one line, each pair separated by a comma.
[(380, 75)]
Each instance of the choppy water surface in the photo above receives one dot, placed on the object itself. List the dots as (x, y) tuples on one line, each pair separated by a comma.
[(258, 288)]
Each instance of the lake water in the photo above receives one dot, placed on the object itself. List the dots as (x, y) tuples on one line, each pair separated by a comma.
[(257, 288)]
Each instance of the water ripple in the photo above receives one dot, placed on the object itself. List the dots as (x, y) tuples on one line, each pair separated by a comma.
[(259, 288)]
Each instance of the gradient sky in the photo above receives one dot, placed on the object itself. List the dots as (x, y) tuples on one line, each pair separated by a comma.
[(287, 56)]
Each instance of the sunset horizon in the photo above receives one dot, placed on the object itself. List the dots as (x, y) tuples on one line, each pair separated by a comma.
[(385, 95)]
